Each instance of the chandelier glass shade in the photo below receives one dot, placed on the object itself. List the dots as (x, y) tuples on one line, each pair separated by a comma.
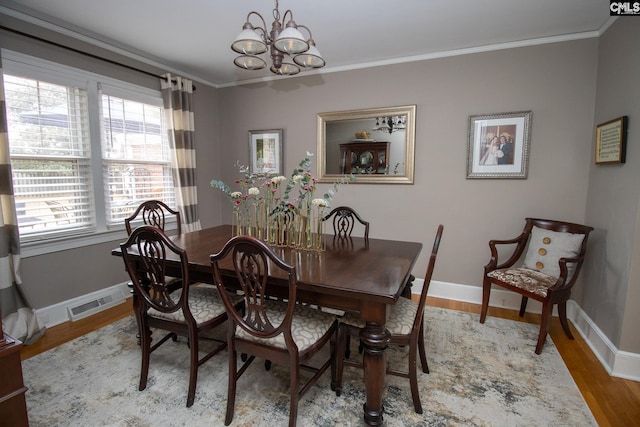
[(290, 52)]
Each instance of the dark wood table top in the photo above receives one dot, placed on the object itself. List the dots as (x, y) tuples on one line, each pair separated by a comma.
[(372, 270)]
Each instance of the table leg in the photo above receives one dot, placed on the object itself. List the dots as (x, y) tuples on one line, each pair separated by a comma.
[(374, 338)]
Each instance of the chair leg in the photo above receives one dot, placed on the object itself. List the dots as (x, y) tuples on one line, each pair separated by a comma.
[(339, 359), (193, 368), (231, 387), (545, 323), (486, 293), (145, 346), (137, 315), (333, 346), (523, 306), (422, 349), (562, 313), (413, 379), (347, 349), (293, 403)]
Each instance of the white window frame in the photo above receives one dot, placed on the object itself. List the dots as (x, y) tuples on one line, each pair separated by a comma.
[(27, 66)]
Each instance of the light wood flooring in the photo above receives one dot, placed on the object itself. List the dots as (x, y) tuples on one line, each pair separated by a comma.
[(613, 401)]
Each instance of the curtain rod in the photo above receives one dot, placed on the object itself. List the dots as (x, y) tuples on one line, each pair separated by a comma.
[(85, 53)]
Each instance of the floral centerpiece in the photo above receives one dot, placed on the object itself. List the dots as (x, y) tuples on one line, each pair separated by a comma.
[(278, 213)]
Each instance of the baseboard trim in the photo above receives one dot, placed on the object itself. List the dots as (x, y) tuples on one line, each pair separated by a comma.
[(617, 363), (622, 364), (58, 313)]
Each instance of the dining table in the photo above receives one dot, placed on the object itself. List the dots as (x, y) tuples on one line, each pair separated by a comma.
[(363, 275)]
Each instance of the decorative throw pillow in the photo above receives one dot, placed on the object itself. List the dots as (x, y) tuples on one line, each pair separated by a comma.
[(546, 247)]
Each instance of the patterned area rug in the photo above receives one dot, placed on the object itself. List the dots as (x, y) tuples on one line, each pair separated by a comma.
[(481, 375)]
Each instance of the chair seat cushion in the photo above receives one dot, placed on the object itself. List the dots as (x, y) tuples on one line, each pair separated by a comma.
[(205, 304), (307, 326), (400, 319), (524, 278)]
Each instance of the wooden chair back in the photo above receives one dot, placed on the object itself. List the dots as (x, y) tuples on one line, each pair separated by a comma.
[(344, 220), (155, 213), (253, 262), (417, 324), (147, 274)]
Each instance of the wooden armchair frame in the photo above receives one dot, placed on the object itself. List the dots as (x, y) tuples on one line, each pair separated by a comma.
[(559, 290)]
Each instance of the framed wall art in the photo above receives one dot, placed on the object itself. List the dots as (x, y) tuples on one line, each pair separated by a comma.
[(499, 145), (611, 141), (265, 152)]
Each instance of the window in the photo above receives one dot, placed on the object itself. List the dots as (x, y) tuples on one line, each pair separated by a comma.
[(135, 155), (85, 150)]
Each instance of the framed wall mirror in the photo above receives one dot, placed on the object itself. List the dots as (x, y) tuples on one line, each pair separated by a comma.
[(376, 145)]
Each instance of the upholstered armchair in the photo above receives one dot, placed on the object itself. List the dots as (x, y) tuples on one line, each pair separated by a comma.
[(555, 252)]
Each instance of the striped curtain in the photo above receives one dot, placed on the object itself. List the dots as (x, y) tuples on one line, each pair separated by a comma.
[(18, 318), (177, 93)]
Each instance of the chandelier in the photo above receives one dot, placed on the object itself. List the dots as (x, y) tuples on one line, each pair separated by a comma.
[(283, 44), (391, 124)]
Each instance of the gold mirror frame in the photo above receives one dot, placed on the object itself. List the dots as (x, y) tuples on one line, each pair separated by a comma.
[(366, 119)]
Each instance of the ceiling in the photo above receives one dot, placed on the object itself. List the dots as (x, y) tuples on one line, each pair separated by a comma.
[(193, 37)]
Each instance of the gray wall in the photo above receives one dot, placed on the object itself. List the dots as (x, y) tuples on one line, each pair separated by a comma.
[(612, 290), (557, 82)]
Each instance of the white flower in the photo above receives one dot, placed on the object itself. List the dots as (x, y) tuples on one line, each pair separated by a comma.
[(278, 179), (499, 154), (236, 195), (254, 191), (320, 203), (298, 178)]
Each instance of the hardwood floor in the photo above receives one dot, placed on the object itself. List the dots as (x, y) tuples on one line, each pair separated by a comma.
[(613, 401)]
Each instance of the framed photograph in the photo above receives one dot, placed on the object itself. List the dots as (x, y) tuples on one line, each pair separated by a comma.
[(611, 141), (265, 152), (499, 145)]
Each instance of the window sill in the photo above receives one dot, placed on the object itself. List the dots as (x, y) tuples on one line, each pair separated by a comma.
[(36, 248), (31, 249)]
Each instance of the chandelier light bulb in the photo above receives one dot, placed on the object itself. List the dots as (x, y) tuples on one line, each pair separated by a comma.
[(249, 42), (311, 58), (249, 62), (291, 41)]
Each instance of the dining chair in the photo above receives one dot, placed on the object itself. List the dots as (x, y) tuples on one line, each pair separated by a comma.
[(187, 311), (554, 257), (284, 332), (153, 212), (344, 219), (405, 323)]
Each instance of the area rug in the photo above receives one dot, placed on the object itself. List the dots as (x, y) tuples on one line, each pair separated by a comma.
[(481, 375)]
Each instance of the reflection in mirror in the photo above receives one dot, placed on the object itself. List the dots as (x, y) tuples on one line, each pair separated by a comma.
[(376, 145)]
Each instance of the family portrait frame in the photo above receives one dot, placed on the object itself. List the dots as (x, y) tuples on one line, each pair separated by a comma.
[(611, 141), (266, 152), (499, 145)]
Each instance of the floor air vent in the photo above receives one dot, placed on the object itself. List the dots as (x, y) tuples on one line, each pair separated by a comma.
[(87, 308)]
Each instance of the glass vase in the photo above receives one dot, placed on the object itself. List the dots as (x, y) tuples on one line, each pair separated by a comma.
[(237, 222), (317, 227)]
